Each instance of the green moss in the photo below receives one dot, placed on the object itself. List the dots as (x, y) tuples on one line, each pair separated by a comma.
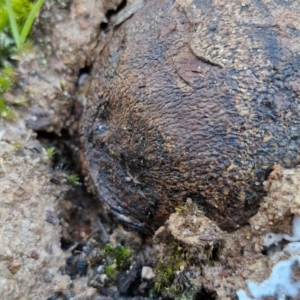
[(17, 145), (151, 294), (4, 21), (50, 152), (122, 254), (7, 49), (21, 101), (111, 272), (181, 209), (6, 79), (165, 270), (172, 280), (7, 71), (73, 179), (22, 9), (4, 83), (6, 112), (119, 253), (164, 275), (16, 19), (18, 16), (185, 296)]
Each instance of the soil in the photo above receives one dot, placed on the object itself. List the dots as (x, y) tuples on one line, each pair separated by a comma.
[(57, 240)]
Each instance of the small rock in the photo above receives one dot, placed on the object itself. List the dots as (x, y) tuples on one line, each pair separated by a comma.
[(48, 276), (147, 273), (34, 254), (100, 269), (62, 284), (103, 277), (50, 217), (34, 145), (14, 267)]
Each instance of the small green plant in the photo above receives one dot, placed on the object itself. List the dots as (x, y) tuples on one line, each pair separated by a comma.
[(17, 145), (7, 49), (166, 269), (122, 254), (119, 253), (165, 275), (21, 15), (158, 286), (111, 272), (6, 112), (151, 294), (21, 101), (16, 19), (73, 179), (6, 78), (181, 209), (185, 296), (50, 152)]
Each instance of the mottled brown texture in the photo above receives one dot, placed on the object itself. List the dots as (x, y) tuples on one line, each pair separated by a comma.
[(194, 99)]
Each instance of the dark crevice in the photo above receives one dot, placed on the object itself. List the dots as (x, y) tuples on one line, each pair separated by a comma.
[(63, 155), (104, 25), (65, 135), (205, 295), (215, 255), (83, 74), (64, 244), (268, 172)]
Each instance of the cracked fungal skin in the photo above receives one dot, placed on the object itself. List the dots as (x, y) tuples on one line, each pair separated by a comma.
[(194, 99)]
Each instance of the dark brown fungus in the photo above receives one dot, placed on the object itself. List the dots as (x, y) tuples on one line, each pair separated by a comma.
[(194, 100)]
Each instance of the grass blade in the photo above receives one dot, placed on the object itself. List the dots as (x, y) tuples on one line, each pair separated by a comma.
[(13, 23), (29, 21)]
